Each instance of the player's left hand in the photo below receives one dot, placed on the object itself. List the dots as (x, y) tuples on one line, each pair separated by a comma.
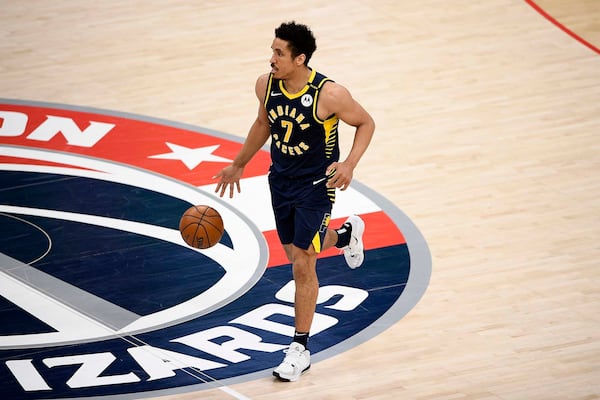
[(342, 175)]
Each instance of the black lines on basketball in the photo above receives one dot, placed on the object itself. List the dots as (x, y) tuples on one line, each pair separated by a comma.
[(201, 226)]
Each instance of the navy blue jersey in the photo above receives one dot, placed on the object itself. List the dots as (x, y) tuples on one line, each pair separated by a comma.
[(301, 143)]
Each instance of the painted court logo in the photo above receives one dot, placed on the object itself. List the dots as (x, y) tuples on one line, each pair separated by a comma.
[(100, 296)]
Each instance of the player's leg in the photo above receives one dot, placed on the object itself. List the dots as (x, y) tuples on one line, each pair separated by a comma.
[(349, 239), (297, 358), (310, 233), (307, 287), (304, 271)]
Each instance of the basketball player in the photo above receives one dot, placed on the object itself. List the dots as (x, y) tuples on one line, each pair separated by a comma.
[(300, 110)]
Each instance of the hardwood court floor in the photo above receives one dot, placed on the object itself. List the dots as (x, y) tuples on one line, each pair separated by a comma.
[(488, 123)]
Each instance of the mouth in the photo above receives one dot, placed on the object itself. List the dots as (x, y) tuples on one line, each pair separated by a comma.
[(273, 68)]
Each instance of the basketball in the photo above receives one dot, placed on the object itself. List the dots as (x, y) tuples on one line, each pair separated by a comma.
[(201, 226)]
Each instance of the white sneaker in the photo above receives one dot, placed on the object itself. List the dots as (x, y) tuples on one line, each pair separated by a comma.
[(296, 361), (353, 253)]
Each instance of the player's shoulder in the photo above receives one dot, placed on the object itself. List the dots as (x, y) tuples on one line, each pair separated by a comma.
[(261, 85), (333, 91), (263, 80)]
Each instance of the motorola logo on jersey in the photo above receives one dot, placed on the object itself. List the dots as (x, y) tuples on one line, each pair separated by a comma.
[(100, 296), (307, 100)]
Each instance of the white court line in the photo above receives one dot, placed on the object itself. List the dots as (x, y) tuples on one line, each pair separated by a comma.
[(233, 393)]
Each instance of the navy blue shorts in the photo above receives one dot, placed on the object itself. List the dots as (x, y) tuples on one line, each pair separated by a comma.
[(302, 208)]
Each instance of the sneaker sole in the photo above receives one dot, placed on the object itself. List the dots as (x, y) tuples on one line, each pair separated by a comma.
[(360, 226), (291, 378)]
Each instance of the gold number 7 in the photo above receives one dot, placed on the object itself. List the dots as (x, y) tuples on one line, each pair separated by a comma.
[(288, 130)]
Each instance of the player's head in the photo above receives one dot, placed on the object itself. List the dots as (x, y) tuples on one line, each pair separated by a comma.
[(299, 38)]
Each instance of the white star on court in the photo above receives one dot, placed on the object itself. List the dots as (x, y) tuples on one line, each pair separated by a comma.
[(191, 157)]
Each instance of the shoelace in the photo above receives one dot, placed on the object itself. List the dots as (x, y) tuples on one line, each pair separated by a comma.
[(291, 351)]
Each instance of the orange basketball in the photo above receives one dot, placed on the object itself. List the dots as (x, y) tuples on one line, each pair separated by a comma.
[(201, 226)]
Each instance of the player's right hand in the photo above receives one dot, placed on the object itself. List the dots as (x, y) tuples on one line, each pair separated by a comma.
[(229, 178)]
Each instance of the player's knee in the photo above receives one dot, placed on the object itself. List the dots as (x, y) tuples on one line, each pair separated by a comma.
[(304, 267)]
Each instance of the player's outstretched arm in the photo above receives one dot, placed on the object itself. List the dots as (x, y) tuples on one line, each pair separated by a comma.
[(229, 177)]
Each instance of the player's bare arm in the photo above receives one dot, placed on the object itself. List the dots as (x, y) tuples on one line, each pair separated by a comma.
[(229, 177), (336, 99)]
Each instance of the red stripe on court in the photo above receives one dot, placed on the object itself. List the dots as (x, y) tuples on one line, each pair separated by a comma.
[(561, 26), (380, 231)]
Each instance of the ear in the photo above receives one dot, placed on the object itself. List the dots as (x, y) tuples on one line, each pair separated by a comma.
[(300, 59)]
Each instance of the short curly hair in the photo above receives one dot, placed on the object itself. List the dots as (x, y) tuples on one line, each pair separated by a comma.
[(299, 37)]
